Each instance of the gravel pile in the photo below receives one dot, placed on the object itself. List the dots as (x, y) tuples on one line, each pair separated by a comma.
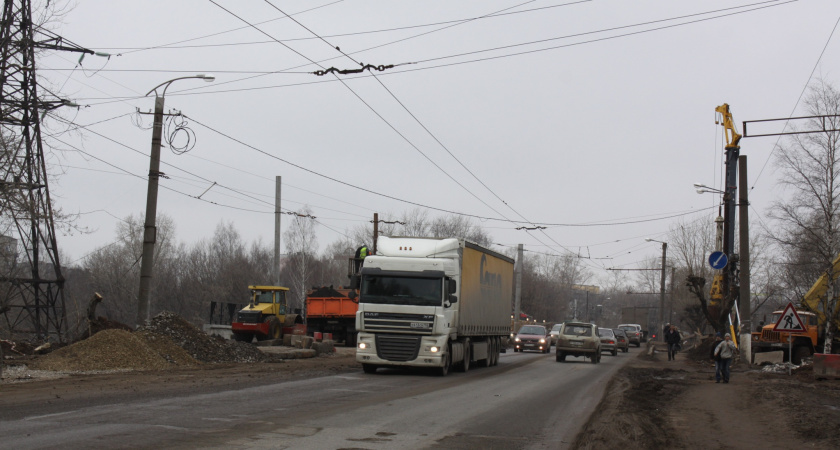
[(199, 345), (106, 350)]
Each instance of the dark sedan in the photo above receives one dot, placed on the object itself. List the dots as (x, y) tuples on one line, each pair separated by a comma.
[(532, 337)]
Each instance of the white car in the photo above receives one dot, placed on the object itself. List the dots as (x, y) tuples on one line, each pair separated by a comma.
[(555, 330)]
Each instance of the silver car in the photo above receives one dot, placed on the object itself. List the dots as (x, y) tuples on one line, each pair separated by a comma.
[(608, 341)]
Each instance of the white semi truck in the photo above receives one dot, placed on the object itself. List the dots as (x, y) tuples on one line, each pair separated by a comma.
[(433, 303)]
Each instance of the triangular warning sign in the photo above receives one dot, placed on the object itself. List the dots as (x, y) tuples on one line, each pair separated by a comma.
[(789, 321)]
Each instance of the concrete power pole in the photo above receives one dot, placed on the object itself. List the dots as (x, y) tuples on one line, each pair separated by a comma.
[(277, 214), (745, 307), (518, 295)]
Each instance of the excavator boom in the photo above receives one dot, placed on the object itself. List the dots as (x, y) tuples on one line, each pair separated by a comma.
[(732, 136)]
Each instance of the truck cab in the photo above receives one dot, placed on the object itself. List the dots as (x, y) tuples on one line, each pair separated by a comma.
[(803, 344)]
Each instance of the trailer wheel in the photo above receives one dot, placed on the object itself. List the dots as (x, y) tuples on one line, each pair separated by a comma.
[(494, 353), (369, 368), (350, 339)]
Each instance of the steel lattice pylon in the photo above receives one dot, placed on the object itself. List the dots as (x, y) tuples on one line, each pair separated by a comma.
[(32, 302)]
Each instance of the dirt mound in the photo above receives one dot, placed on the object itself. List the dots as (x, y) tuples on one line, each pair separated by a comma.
[(199, 345), (106, 350)]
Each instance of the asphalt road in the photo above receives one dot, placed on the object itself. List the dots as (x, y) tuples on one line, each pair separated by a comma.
[(528, 401)]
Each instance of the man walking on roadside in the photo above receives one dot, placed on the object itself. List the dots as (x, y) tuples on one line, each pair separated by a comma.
[(672, 338), (726, 350)]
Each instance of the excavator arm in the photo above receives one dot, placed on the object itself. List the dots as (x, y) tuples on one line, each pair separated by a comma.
[(732, 136), (811, 300)]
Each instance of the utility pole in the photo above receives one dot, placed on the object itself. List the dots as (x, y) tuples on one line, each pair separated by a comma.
[(144, 299), (662, 289), (518, 292), (277, 214), (375, 230), (671, 300), (745, 307)]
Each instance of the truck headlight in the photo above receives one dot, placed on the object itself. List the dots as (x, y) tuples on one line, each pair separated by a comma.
[(362, 345), (434, 349)]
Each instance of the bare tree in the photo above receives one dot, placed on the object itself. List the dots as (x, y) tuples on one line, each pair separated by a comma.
[(301, 249), (807, 217)]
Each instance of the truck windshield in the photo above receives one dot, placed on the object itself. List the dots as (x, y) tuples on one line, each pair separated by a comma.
[(263, 297), (401, 290)]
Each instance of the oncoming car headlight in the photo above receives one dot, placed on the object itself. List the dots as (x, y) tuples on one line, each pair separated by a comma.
[(518, 340), (542, 341)]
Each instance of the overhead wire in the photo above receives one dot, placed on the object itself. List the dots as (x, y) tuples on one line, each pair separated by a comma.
[(796, 105), (532, 42), (368, 105)]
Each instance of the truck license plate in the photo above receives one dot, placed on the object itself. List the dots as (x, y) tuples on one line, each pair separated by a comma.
[(419, 325)]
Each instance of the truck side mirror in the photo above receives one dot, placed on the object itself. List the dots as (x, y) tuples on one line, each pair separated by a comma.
[(355, 281), (453, 298), (452, 286), (352, 295)]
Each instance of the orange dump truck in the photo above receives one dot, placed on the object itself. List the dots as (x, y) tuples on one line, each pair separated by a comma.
[(330, 310)]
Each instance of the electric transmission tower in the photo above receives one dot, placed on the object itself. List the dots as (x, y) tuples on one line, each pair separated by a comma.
[(31, 285)]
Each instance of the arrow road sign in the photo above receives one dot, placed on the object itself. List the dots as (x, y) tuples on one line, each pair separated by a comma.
[(789, 321), (718, 260)]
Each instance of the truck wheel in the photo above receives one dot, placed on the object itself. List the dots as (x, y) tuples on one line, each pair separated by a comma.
[(447, 362), (800, 353), (369, 368), (465, 366), (243, 337)]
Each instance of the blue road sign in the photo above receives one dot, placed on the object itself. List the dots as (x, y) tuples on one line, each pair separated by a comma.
[(718, 260)]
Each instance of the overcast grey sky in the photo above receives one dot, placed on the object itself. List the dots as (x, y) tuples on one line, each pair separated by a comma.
[(571, 112)]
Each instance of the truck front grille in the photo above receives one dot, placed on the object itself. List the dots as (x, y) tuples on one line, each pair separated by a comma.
[(401, 323), (397, 347), (770, 336)]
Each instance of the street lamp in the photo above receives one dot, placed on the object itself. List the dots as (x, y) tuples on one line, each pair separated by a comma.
[(149, 229), (661, 283), (703, 189)]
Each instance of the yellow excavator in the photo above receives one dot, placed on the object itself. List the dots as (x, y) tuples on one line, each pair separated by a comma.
[(816, 307)]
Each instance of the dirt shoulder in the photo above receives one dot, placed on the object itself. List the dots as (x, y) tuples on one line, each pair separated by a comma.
[(35, 389), (655, 403)]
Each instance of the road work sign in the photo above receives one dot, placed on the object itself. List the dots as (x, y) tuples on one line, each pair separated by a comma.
[(789, 321)]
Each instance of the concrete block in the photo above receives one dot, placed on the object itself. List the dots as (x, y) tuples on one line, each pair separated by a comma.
[(762, 358), (287, 340), (297, 341), (308, 341), (323, 347)]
